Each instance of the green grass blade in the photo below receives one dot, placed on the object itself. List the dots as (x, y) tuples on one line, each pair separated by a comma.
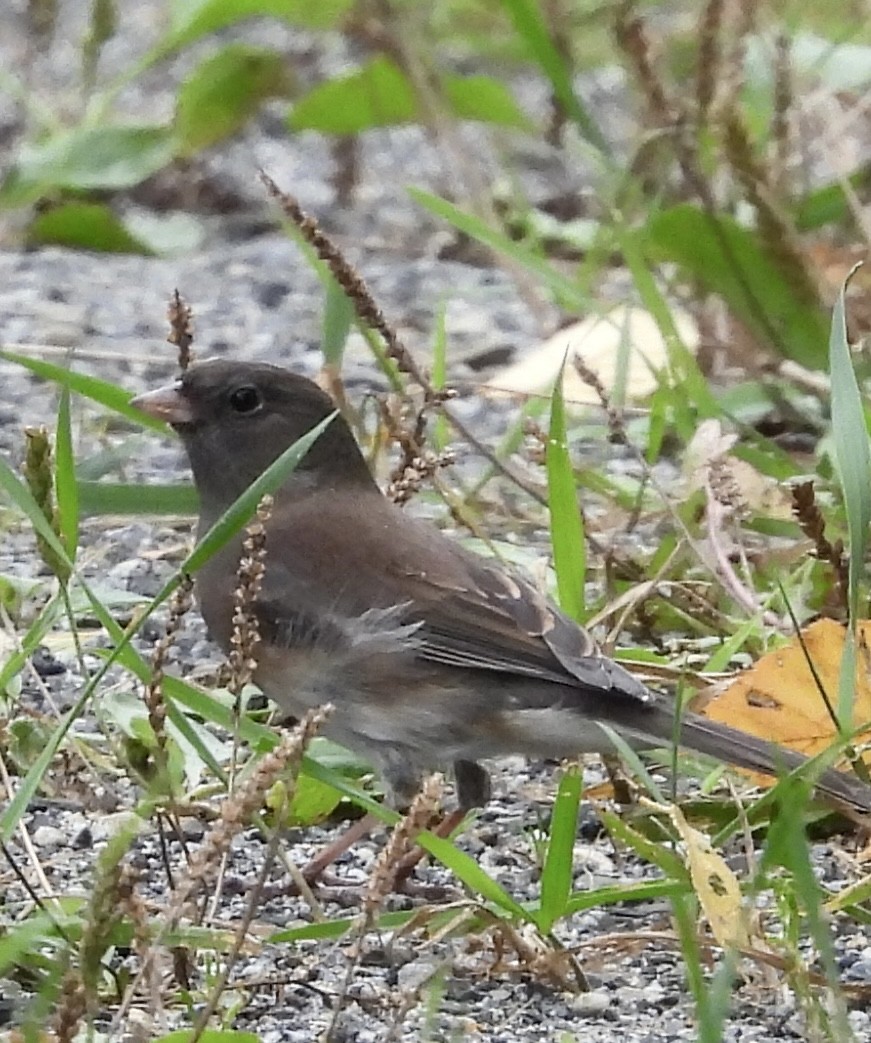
[(100, 391), (569, 295), (45, 620), (440, 373), (97, 498), (66, 488), (530, 26), (467, 870), (566, 522), (850, 434), (556, 875), (337, 322), (21, 496)]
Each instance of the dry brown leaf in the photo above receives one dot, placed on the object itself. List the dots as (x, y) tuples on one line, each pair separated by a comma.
[(778, 698)]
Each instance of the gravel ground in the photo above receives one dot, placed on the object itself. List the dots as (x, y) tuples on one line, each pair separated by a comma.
[(255, 297)]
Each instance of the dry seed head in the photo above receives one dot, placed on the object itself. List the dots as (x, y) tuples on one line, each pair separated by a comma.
[(71, 1008), (39, 476), (251, 793), (179, 605), (725, 488), (245, 638), (181, 329), (423, 810)]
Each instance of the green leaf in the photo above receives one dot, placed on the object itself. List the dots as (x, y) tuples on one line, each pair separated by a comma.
[(97, 498), (85, 226), (660, 855), (100, 391), (191, 19), (787, 846), (86, 158), (484, 99), (556, 875), (467, 870), (829, 204), (312, 801), (729, 260), (22, 497), (224, 92), (209, 1036), (102, 26), (378, 94), (684, 369), (48, 616), (566, 523)]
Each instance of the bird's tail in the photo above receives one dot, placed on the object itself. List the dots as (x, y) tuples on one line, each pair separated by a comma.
[(743, 750)]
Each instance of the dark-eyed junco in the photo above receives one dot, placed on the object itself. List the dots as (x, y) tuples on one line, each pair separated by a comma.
[(433, 656)]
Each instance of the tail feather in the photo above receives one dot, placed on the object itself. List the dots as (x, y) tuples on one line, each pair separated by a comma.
[(747, 751)]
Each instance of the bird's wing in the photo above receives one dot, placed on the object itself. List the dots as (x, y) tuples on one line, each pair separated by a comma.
[(499, 621), (470, 612)]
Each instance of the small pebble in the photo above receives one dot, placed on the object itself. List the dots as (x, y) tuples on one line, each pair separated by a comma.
[(590, 1004)]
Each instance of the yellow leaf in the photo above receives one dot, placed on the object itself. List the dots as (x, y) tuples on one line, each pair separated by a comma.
[(779, 697), (715, 884)]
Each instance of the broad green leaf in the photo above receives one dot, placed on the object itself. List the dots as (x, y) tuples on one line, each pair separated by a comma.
[(829, 204), (728, 260), (190, 19), (85, 226), (224, 92), (312, 801), (484, 99), (378, 94), (101, 157), (209, 1036), (566, 523)]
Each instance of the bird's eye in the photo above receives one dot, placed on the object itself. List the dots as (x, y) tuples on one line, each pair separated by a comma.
[(245, 399)]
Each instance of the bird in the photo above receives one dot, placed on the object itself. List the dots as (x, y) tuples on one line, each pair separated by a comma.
[(433, 656)]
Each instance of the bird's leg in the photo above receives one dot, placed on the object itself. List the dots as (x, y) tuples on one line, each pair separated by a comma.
[(352, 835), (623, 792), (442, 829)]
